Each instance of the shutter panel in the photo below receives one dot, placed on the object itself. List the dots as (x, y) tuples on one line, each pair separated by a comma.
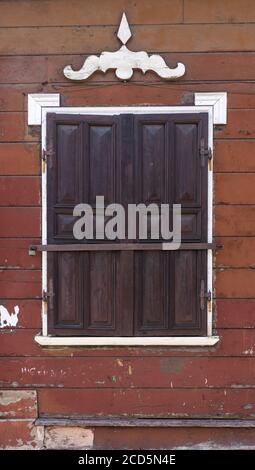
[(89, 288), (127, 159), (168, 169)]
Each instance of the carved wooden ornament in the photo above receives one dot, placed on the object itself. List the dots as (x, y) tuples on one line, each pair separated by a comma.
[(125, 61)]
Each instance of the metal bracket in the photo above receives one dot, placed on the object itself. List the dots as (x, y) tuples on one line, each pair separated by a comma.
[(204, 295)]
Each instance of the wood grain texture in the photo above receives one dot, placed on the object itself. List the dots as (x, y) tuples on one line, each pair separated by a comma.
[(20, 222), (234, 342), (21, 191), (20, 284), (19, 159), (234, 156), (236, 314), (14, 254), (237, 252), (126, 373), (234, 220), (157, 402), (176, 438), (229, 11), (100, 12), (90, 39), (130, 381)]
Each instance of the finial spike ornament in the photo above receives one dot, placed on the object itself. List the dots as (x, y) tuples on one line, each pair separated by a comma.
[(124, 33), (125, 61)]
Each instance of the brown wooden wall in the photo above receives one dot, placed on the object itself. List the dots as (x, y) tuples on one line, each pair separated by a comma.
[(215, 40)]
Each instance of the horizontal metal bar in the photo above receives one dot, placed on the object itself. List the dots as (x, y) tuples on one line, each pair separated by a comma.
[(122, 247)]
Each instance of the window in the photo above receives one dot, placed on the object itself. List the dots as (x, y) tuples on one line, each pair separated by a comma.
[(127, 158)]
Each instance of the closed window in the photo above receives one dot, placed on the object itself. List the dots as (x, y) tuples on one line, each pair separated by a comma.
[(128, 159)]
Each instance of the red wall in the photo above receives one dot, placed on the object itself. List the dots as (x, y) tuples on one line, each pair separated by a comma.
[(215, 40)]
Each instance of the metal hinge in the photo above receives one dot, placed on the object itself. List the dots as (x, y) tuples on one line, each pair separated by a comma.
[(205, 153), (204, 296), (46, 157), (47, 296)]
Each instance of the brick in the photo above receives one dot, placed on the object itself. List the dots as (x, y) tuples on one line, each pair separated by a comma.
[(67, 437)]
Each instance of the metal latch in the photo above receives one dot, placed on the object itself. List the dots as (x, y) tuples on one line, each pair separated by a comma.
[(204, 296), (205, 153)]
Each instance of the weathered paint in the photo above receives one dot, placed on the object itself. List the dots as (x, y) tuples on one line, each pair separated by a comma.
[(125, 385), (7, 319)]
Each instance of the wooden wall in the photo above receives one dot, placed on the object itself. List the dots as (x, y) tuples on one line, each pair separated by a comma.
[(215, 40)]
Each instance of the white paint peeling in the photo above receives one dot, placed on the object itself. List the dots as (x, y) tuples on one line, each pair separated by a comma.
[(7, 319)]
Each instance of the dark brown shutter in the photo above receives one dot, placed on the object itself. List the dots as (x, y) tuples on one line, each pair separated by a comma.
[(127, 159)]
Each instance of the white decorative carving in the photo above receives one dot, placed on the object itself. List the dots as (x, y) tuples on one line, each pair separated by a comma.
[(218, 100), (124, 61), (7, 319)]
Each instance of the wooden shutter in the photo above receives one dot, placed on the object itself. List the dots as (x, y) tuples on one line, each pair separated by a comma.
[(128, 159)]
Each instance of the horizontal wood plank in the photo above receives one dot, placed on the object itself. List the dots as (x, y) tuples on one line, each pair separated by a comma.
[(14, 254), (157, 402), (232, 313), (159, 372), (218, 11), (91, 39), (100, 12), (233, 342), (234, 156), (236, 252), (41, 70), (19, 159), (235, 283), (237, 188), (20, 284), (20, 222), (234, 220), (20, 191)]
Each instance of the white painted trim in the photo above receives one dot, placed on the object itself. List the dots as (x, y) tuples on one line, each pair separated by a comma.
[(127, 341), (131, 110), (218, 100), (36, 101)]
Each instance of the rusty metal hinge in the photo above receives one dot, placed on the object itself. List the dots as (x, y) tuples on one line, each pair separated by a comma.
[(46, 157), (204, 296), (205, 153), (45, 296)]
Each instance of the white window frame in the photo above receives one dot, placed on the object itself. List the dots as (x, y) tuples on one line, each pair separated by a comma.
[(46, 340)]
